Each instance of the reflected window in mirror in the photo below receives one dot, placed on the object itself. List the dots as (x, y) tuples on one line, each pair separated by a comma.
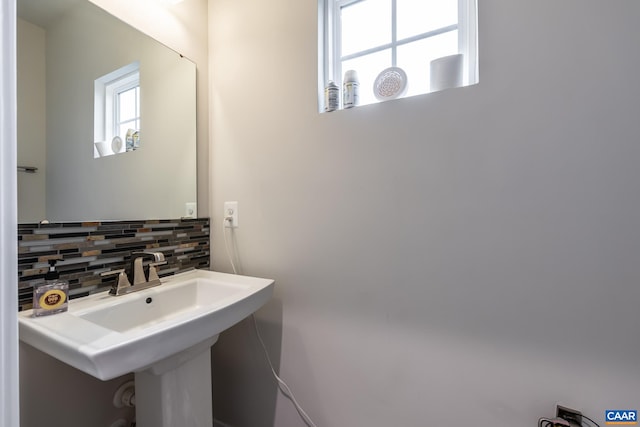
[(126, 113), (117, 111)]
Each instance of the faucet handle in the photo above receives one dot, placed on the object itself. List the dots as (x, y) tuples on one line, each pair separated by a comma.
[(157, 255), (121, 283), (137, 266), (153, 271)]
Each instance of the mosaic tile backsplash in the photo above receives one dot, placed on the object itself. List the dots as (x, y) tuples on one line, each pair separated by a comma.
[(89, 248)]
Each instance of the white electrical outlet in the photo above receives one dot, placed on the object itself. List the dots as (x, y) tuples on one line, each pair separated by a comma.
[(190, 210), (230, 211)]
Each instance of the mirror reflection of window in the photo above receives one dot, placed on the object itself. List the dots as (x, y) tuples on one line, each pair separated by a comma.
[(117, 111), (127, 116)]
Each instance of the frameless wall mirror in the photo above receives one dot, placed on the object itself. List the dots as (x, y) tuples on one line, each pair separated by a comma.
[(90, 86)]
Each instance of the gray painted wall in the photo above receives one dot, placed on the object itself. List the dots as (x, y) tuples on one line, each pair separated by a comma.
[(468, 257)]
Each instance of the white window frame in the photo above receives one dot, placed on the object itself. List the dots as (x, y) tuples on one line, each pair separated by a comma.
[(114, 91), (329, 35), (106, 108)]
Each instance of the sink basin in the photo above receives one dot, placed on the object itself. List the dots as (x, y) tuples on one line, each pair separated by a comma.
[(107, 336), (157, 309)]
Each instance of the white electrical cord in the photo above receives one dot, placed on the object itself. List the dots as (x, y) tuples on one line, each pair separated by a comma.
[(282, 386), (226, 245), (555, 422)]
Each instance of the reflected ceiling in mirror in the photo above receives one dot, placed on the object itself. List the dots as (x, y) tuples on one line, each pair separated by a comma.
[(63, 47)]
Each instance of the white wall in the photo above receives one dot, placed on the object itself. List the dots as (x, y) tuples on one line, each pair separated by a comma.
[(466, 257), (32, 124)]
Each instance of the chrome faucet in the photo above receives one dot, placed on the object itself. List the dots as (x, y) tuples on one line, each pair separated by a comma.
[(138, 269), (140, 281)]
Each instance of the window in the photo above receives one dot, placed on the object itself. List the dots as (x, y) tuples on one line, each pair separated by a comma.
[(117, 111), (126, 108), (369, 36)]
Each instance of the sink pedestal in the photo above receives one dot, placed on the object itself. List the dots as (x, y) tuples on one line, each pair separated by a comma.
[(177, 391)]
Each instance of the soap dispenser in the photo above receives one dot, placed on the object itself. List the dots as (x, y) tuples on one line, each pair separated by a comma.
[(52, 296)]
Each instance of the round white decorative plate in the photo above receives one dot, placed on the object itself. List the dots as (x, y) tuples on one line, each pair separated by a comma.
[(390, 83), (116, 144)]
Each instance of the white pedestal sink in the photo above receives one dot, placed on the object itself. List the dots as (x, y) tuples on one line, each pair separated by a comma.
[(177, 392), (163, 334)]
